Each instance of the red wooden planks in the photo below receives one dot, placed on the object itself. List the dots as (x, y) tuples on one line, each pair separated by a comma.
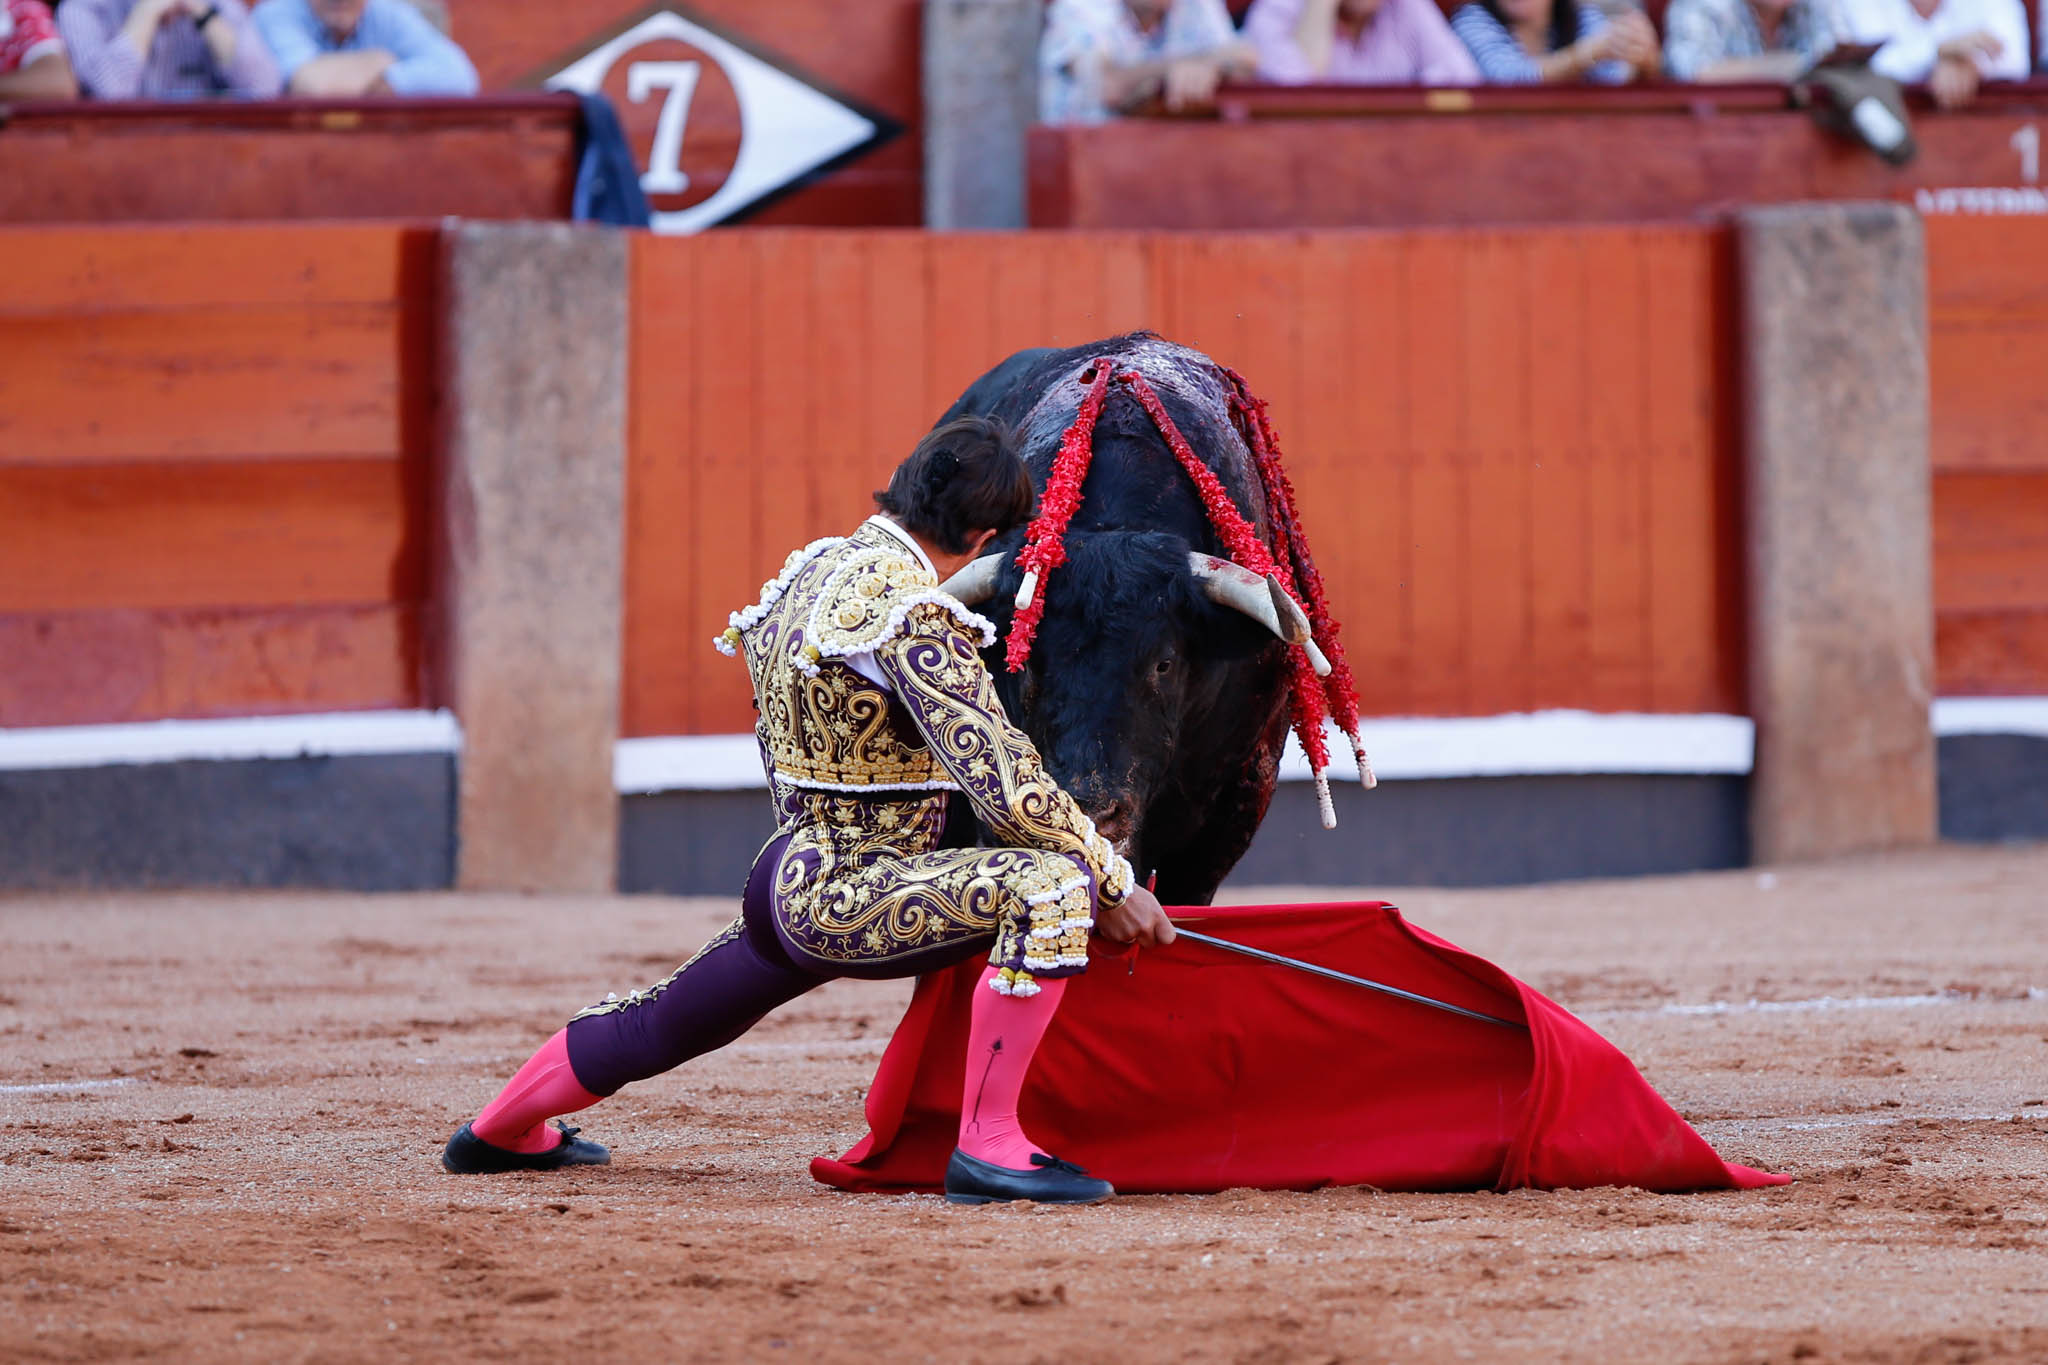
[(664, 644), (1509, 448), (262, 533), (85, 268), (101, 667)]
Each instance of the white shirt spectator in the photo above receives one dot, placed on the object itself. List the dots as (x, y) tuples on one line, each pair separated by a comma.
[(1911, 42), (1081, 35)]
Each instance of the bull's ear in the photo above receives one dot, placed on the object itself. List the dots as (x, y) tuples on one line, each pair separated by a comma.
[(976, 583), (1261, 598)]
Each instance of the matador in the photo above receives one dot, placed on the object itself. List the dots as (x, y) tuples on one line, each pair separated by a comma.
[(875, 708)]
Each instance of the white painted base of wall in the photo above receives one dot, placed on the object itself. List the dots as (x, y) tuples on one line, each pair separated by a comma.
[(1402, 747)]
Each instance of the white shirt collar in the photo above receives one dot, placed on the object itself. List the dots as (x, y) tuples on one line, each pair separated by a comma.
[(908, 540)]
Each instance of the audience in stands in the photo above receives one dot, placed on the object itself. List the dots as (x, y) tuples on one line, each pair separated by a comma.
[(1951, 45), (166, 49), (1357, 42), (1100, 58), (32, 61), (346, 48), (1745, 40), (1527, 42)]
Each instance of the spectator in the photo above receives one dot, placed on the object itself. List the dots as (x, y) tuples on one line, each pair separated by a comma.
[(1526, 42), (1949, 44), (1357, 42), (1101, 57), (340, 49), (32, 61), (1744, 40), (166, 49)]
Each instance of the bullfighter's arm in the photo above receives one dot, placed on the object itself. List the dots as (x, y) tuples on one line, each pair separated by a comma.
[(940, 679)]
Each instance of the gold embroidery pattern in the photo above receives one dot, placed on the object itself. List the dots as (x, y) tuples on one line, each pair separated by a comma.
[(861, 883), (942, 682), (612, 1003), (824, 725)]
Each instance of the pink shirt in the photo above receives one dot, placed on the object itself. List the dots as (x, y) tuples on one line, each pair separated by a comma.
[(1407, 43)]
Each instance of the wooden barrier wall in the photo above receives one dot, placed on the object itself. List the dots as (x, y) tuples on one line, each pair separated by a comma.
[(1987, 283), (1513, 449), (213, 448)]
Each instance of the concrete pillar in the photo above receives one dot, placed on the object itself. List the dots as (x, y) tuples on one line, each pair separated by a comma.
[(1841, 612), (980, 95), (529, 499)]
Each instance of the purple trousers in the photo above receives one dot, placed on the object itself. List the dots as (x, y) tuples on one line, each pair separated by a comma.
[(747, 969)]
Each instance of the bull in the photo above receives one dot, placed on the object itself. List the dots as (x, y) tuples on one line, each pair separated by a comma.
[(1157, 688)]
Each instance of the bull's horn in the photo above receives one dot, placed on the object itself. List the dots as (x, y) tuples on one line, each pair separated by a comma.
[(976, 583), (1261, 598)]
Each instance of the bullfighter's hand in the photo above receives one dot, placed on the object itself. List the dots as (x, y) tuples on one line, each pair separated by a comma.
[(1139, 919)]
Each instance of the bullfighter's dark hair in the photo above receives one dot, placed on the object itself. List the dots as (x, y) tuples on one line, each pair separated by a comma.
[(964, 476)]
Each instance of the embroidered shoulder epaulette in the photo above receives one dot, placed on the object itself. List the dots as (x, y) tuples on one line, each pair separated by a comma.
[(728, 642), (866, 599)]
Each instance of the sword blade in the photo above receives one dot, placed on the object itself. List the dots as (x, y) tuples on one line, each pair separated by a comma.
[(1331, 974)]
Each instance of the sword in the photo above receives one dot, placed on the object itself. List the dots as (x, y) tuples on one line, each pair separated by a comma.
[(1331, 974)]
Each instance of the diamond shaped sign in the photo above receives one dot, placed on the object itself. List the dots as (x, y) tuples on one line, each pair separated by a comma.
[(715, 127)]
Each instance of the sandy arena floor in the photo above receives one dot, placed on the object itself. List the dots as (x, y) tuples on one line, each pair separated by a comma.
[(220, 1114)]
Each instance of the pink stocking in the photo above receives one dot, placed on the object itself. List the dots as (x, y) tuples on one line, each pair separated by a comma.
[(1002, 1038), (545, 1086)]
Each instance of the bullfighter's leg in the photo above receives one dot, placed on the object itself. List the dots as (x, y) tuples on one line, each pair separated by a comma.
[(720, 993), (1031, 911)]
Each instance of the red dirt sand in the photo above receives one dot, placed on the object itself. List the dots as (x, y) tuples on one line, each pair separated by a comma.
[(252, 1174)]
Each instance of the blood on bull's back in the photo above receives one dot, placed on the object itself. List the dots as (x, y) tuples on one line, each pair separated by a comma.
[(1156, 686)]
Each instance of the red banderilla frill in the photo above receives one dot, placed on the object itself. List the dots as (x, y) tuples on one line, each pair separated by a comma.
[(1310, 698)]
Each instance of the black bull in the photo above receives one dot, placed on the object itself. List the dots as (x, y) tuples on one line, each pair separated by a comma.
[(1163, 712)]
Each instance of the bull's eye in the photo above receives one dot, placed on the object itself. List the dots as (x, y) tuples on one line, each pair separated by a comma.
[(1163, 667)]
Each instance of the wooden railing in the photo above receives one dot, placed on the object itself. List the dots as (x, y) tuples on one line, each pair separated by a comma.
[(503, 156), (1347, 157)]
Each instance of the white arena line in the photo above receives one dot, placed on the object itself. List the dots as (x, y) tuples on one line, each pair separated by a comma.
[(839, 1047), (53, 1087), (1825, 1002), (1889, 1116), (180, 741)]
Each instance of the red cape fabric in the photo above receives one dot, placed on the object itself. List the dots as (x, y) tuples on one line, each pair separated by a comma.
[(1190, 1070)]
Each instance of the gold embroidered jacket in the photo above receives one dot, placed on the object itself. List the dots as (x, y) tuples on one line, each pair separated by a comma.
[(869, 679)]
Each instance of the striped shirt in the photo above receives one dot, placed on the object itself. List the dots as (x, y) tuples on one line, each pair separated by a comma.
[(1502, 58), (179, 64)]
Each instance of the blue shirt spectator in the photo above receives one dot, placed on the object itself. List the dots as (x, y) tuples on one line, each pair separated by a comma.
[(1530, 42), (340, 49)]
